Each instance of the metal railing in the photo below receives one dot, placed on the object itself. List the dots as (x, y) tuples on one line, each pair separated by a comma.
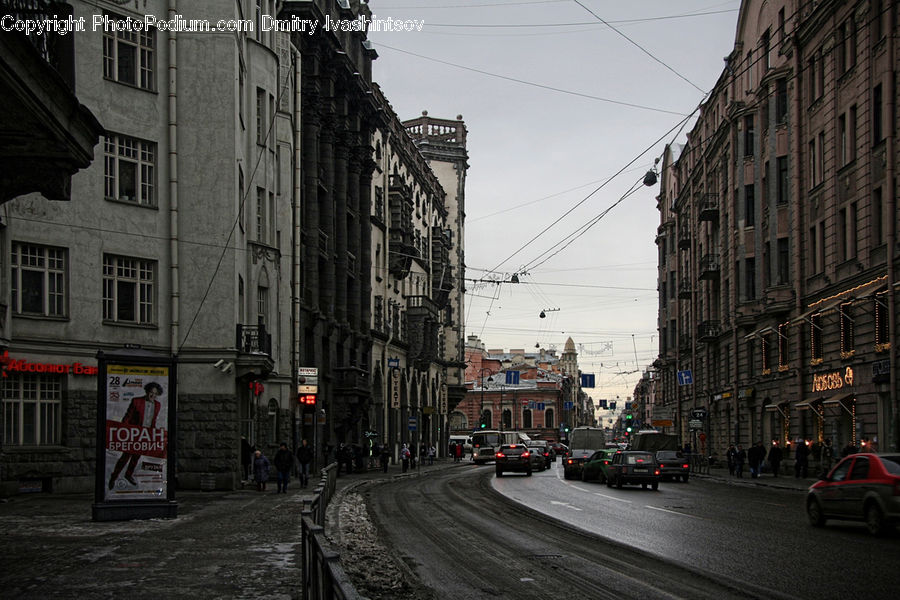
[(323, 577)]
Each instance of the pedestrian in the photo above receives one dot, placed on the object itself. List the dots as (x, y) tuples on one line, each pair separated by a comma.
[(260, 470), (453, 451), (730, 456), (371, 451), (431, 452), (304, 457), (740, 458), (801, 459), (827, 456), (246, 458), (774, 457), (755, 457), (385, 456), (284, 462), (458, 453), (412, 457), (405, 457)]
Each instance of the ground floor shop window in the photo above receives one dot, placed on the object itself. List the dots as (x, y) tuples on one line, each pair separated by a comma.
[(32, 409)]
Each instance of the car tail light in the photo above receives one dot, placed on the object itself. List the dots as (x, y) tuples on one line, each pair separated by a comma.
[(656, 472), (570, 461), (685, 466), (500, 455), (526, 454)]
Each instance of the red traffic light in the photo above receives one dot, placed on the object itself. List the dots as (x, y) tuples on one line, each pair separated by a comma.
[(307, 399)]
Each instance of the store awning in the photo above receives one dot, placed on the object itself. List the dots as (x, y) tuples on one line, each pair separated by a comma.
[(840, 400), (778, 407), (822, 308), (859, 292), (807, 404)]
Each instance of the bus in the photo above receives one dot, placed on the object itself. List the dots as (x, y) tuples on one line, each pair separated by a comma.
[(486, 442)]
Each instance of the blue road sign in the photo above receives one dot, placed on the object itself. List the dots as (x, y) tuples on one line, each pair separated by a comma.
[(412, 423), (587, 380), (542, 406), (393, 363), (685, 377), (512, 377), (568, 405)]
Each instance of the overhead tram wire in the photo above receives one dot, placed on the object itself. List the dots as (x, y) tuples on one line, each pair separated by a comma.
[(594, 23)]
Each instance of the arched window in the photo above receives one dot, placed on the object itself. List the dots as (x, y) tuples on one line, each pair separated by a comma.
[(526, 419), (507, 418), (548, 419), (458, 421)]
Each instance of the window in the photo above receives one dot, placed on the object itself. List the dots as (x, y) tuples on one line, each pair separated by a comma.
[(815, 337), (260, 215), (813, 251), (842, 141), (750, 278), (877, 220), (781, 100), (820, 158), (32, 409), (877, 126), (842, 235), (526, 419), (846, 328), (852, 237), (129, 289), (846, 46), (262, 305), (812, 164), (38, 285), (748, 135), (749, 205), (851, 134), (749, 68), (782, 346), (129, 170), (261, 116), (783, 271), (548, 419), (877, 22), (821, 254), (783, 191), (764, 48), (129, 56), (781, 22)]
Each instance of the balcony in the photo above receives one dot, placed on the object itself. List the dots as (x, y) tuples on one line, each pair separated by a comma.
[(708, 207), (254, 346), (421, 306), (351, 381), (684, 237), (709, 266), (685, 288), (709, 331)]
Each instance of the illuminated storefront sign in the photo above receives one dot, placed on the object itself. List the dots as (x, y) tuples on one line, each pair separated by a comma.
[(832, 381), (20, 365)]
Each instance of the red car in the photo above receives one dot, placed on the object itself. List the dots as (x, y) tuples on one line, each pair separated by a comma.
[(862, 487)]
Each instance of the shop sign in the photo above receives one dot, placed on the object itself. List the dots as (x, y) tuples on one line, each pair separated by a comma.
[(20, 365), (832, 381)]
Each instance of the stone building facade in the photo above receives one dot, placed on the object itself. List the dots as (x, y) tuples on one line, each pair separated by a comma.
[(777, 247)]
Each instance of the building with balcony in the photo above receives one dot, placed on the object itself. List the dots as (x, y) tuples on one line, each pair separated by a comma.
[(785, 320)]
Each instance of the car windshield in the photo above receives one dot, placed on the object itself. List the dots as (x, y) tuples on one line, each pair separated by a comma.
[(891, 464), (537, 444), (486, 439), (634, 459), (667, 455)]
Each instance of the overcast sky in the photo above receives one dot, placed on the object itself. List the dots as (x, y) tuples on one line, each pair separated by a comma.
[(625, 74)]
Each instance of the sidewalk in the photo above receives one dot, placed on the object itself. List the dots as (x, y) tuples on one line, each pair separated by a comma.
[(785, 482)]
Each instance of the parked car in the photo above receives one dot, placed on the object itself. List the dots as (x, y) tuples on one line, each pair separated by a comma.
[(559, 448), (673, 464), (596, 467), (542, 448), (634, 467), (514, 458), (861, 487)]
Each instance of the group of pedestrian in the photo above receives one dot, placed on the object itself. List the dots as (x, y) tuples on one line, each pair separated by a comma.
[(260, 466), (456, 451)]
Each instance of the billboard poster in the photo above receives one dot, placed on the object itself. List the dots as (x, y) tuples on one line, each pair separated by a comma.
[(136, 439)]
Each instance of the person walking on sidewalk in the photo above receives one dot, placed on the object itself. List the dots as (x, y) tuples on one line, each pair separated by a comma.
[(755, 457), (260, 471), (385, 456), (774, 457), (404, 457), (431, 452), (740, 458), (304, 457), (731, 457), (284, 462), (827, 456), (801, 459)]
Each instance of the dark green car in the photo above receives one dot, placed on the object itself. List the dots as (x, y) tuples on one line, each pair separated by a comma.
[(596, 467)]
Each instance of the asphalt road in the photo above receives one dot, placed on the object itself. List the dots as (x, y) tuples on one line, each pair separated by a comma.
[(471, 535)]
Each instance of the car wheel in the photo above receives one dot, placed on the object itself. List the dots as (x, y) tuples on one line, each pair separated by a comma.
[(655, 485), (528, 472), (584, 476), (499, 472), (608, 482), (619, 483), (814, 513), (874, 519)]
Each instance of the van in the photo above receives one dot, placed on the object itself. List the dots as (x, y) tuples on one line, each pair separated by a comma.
[(583, 442)]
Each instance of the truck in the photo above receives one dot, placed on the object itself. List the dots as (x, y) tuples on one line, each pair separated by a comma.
[(583, 441), (651, 440)]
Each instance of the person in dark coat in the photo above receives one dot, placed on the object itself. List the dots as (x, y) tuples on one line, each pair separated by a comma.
[(260, 471), (404, 457), (730, 456), (284, 462), (801, 459), (755, 457), (385, 456), (774, 457), (246, 458), (740, 458), (304, 457)]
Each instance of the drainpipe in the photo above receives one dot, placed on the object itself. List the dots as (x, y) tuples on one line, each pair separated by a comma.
[(174, 293), (298, 230), (891, 187), (795, 130)]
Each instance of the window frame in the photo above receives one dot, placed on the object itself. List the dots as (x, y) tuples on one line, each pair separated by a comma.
[(50, 274), (143, 44), (115, 273), (118, 149), (46, 398)]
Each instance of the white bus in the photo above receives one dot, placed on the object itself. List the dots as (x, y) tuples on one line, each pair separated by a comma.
[(486, 442)]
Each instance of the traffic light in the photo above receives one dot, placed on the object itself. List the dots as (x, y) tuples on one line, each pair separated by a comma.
[(629, 416), (566, 428), (307, 399)]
